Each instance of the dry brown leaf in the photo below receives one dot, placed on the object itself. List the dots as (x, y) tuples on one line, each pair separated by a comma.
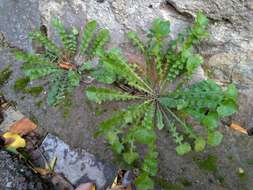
[(67, 66), (86, 186), (116, 185), (13, 140), (42, 171), (23, 127), (238, 128)]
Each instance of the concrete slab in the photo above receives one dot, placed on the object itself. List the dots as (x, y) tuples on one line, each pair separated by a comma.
[(77, 165)]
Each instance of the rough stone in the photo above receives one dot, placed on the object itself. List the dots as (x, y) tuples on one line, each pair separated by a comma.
[(78, 166), (11, 116), (231, 23), (15, 175), (18, 18), (228, 67)]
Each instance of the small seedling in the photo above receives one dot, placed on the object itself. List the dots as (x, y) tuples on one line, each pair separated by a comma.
[(57, 64)]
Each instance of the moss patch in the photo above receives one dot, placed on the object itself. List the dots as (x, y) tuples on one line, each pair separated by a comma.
[(39, 103), (221, 180), (185, 182), (208, 164), (21, 84), (34, 91), (230, 158), (249, 162), (99, 111), (67, 105), (5, 75), (34, 119), (167, 185)]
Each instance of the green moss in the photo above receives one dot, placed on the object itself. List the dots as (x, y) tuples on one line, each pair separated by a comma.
[(88, 104), (67, 105), (21, 84), (99, 111), (221, 179), (185, 182), (39, 103), (167, 185), (34, 91), (5, 75), (249, 162), (208, 164), (243, 188), (34, 119), (230, 158), (208, 72)]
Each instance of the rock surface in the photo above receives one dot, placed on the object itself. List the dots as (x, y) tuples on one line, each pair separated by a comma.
[(17, 19), (228, 58), (15, 175), (78, 166)]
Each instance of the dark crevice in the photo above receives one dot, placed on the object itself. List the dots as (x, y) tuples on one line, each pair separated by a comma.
[(172, 6), (43, 29), (222, 19), (100, 1), (36, 46)]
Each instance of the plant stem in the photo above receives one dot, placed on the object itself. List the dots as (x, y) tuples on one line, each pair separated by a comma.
[(187, 129)]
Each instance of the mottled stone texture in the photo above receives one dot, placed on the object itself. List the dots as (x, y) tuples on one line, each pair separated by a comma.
[(17, 19), (228, 54), (77, 165), (15, 175)]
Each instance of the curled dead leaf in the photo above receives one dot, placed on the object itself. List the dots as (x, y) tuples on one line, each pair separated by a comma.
[(23, 127), (86, 186), (238, 128), (14, 140), (42, 171), (67, 66), (119, 181)]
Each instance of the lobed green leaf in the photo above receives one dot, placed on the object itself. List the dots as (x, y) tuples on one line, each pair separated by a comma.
[(100, 95), (87, 35), (144, 182)]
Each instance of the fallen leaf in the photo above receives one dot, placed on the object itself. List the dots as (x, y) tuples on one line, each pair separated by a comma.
[(42, 171), (86, 186), (67, 66), (238, 128), (114, 184), (23, 127), (117, 183), (16, 140)]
